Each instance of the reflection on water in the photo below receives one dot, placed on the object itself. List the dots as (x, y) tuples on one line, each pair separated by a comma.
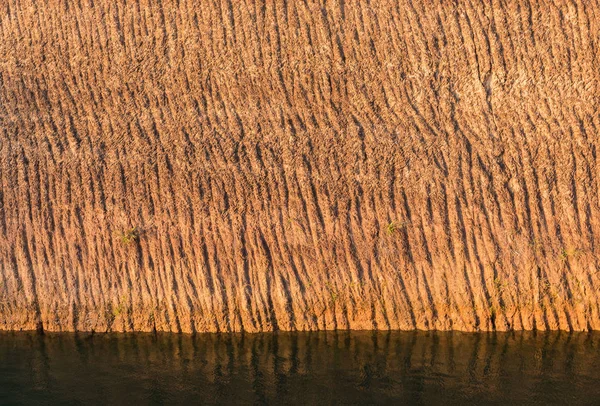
[(301, 368)]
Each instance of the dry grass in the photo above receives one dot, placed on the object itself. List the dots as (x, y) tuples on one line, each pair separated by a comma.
[(430, 165)]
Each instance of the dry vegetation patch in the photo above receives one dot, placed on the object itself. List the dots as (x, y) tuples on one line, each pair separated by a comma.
[(217, 165)]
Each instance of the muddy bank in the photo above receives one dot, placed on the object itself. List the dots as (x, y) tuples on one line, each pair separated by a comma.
[(211, 166)]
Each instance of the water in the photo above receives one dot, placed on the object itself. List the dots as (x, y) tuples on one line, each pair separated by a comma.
[(301, 368)]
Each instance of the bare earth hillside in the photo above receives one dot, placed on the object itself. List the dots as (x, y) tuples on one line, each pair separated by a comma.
[(223, 165)]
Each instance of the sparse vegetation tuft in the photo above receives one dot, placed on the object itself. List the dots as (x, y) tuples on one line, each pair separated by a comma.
[(568, 253), (393, 227), (130, 236)]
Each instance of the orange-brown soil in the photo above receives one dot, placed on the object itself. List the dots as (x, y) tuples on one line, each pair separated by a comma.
[(252, 165)]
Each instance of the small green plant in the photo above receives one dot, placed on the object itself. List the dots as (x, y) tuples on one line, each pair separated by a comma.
[(565, 253), (393, 227), (332, 292), (545, 287), (129, 236), (536, 244), (120, 307), (500, 284), (117, 310)]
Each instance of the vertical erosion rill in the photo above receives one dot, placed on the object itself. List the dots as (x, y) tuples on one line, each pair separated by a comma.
[(250, 165)]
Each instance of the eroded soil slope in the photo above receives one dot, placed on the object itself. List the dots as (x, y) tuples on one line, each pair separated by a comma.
[(252, 165)]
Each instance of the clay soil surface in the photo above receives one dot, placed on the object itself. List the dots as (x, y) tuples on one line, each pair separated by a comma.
[(250, 165)]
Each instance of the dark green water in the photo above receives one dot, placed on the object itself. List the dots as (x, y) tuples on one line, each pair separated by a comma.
[(301, 368)]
